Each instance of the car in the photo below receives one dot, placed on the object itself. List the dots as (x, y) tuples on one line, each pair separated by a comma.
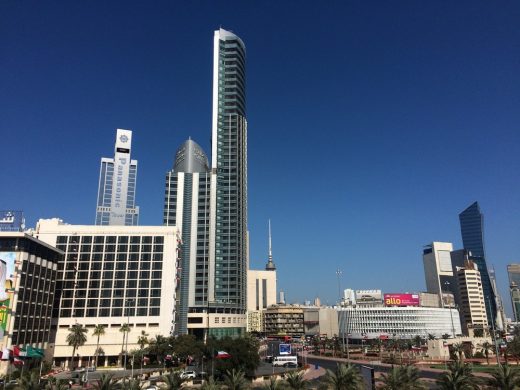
[(188, 375), (91, 369), (290, 365)]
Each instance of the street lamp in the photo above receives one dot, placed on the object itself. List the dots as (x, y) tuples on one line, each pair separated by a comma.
[(128, 302), (486, 299), (447, 284)]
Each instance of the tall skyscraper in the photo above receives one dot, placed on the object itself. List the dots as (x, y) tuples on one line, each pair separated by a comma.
[(438, 270), (117, 185), (209, 206), (187, 207), (513, 270), (228, 224), (472, 230)]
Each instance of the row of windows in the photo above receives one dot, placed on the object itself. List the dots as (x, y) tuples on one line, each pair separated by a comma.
[(110, 239)]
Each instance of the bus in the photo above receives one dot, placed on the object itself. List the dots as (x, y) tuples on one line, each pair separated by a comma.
[(287, 360)]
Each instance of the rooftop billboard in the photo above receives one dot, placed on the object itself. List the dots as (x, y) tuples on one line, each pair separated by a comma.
[(11, 221), (402, 300)]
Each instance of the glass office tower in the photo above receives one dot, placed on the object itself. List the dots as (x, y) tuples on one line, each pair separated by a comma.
[(513, 271), (117, 184), (229, 171), (187, 207), (472, 230)]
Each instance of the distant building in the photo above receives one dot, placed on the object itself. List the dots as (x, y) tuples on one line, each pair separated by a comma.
[(12, 221), (473, 304), (28, 272), (320, 320), (437, 267), (513, 270), (284, 320), (429, 299), (472, 230), (397, 322), (112, 275), (117, 185)]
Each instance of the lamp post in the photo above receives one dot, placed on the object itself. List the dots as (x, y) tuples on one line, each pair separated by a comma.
[(128, 302), (486, 299), (338, 274), (447, 284)]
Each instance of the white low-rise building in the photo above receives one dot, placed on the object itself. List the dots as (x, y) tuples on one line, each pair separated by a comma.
[(359, 322), (111, 276)]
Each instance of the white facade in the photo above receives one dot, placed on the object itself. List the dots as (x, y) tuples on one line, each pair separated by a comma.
[(113, 275), (473, 304), (261, 293), (437, 266), (117, 185), (399, 322)]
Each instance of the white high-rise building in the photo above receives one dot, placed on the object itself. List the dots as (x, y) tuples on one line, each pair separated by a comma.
[(438, 268), (112, 275), (117, 185)]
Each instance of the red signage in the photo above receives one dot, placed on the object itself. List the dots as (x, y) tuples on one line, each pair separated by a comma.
[(401, 299)]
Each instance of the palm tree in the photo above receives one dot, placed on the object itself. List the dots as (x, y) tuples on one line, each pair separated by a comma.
[(28, 382), (346, 377), (458, 349), (76, 338), (142, 340), (402, 378), (210, 384), (234, 380), (458, 377), (132, 384), (55, 384), (505, 378), (486, 347), (124, 329), (273, 384), (295, 381), (173, 381), (99, 331), (106, 382), (431, 336)]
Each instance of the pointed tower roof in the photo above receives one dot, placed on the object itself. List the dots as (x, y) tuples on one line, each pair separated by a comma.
[(270, 265)]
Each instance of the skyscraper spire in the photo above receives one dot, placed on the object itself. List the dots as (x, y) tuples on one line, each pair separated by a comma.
[(270, 265)]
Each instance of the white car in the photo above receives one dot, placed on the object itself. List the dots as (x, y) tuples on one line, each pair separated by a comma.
[(188, 375)]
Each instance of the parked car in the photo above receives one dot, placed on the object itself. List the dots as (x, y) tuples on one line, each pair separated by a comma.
[(290, 365), (188, 375)]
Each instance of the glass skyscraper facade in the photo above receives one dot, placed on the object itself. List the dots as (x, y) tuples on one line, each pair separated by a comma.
[(472, 230), (208, 204), (117, 185), (187, 206), (513, 271), (229, 170)]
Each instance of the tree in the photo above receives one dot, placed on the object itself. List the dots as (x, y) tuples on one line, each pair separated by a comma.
[(142, 340), (296, 381), (106, 382), (124, 329), (478, 332), (346, 377), (76, 338), (458, 350), (132, 384), (505, 378), (29, 382), (243, 351), (55, 384), (235, 380), (210, 384), (99, 331), (273, 384), (431, 336), (418, 341), (486, 348), (445, 336), (402, 378), (173, 381), (458, 377)]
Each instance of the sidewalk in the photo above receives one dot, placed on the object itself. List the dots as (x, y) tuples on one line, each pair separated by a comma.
[(313, 373)]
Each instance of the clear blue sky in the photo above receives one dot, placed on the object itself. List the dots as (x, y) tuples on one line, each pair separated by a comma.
[(371, 124)]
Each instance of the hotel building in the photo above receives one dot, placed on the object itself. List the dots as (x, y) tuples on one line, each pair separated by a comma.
[(112, 275)]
